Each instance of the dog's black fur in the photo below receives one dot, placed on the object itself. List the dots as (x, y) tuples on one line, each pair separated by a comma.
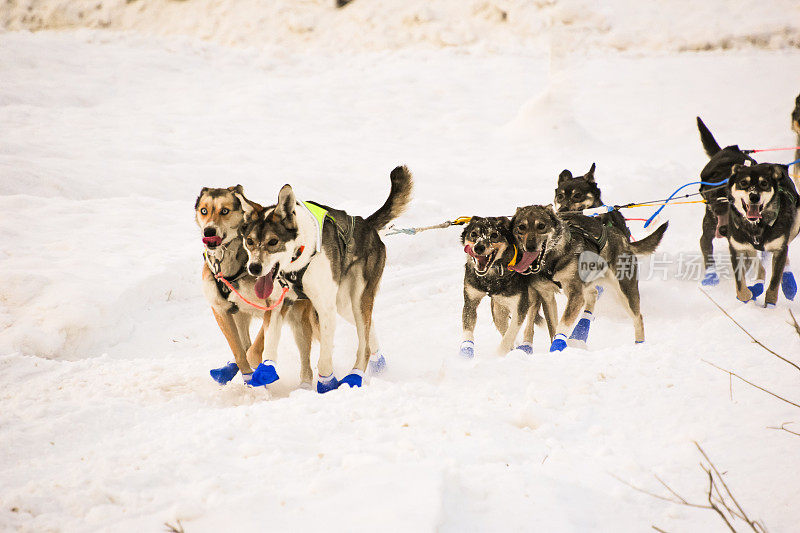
[(717, 170), (582, 192), (764, 216), (490, 247)]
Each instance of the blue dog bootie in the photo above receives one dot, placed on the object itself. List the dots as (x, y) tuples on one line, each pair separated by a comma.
[(711, 278), (559, 343), (467, 349), (757, 288), (327, 383), (788, 285), (353, 380), (264, 374), (377, 363), (525, 347), (580, 334), (225, 374)]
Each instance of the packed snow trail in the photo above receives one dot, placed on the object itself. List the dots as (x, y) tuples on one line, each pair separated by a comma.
[(110, 420)]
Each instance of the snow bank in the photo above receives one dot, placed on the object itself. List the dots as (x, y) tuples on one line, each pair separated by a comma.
[(316, 25)]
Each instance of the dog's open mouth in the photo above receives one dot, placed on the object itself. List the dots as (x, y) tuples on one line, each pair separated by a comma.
[(264, 283), (530, 262), (212, 242), (482, 262), (753, 211)]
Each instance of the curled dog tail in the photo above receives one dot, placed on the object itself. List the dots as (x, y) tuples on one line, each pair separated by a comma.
[(710, 144), (398, 200), (649, 244)]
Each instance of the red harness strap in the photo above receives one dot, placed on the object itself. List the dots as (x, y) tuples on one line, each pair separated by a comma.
[(262, 307)]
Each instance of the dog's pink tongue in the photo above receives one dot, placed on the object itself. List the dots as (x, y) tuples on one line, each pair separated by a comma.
[(525, 261), (753, 211), (214, 241), (263, 286), (722, 220)]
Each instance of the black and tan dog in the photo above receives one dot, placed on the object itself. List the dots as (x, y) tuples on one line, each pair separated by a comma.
[(334, 259), (715, 174), (575, 252), (220, 216), (581, 192), (765, 216), (491, 257)]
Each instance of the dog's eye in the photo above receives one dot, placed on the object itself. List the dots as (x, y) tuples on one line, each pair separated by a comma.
[(224, 211), (540, 226), (249, 241), (494, 235), (560, 197), (521, 228), (272, 242), (745, 183), (204, 211), (764, 184), (473, 235), (577, 196)]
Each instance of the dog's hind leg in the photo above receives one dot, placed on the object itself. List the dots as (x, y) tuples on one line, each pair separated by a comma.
[(707, 248), (629, 287), (228, 327), (301, 319)]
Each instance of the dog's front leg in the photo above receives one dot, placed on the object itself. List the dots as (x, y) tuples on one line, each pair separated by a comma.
[(255, 352), (575, 304), (228, 327), (740, 268), (266, 373), (778, 264), (302, 318), (469, 316)]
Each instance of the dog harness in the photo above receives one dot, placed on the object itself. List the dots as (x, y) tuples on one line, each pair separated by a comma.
[(216, 269), (597, 242)]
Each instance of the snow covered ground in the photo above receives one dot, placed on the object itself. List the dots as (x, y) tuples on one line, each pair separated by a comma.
[(109, 421)]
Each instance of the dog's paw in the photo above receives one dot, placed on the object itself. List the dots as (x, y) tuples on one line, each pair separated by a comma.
[(559, 343), (467, 349), (377, 363), (305, 385), (327, 384), (788, 285), (769, 306), (264, 374), (247, 378), (711, 278), (353, 380), (225, 374), (756, 289), (525, 347)]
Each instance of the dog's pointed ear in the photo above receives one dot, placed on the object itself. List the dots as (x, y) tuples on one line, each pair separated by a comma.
[(284, 210), (202, 192), (590, 175), (237, 189), (251, 209), (564, 176), (778, 171)]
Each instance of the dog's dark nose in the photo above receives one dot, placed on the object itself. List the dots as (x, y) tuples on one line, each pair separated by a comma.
[(479, 248), (254, 268), (754, 198), (723, 230), (209, 232)]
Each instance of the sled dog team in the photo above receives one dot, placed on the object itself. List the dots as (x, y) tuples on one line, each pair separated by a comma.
[(304, 263)]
